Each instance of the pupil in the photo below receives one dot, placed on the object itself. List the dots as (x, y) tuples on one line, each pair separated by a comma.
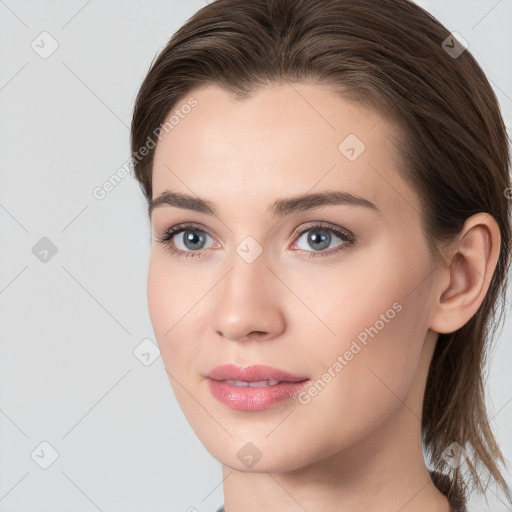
[(320, 238), (192, 237)]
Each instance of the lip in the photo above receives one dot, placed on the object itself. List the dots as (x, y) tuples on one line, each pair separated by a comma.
[(252, 373), (255, 398)]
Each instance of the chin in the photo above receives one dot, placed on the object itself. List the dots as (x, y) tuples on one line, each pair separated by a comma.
[(258, 454)]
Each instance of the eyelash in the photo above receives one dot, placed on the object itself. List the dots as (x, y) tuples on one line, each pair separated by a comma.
[(167, 236)]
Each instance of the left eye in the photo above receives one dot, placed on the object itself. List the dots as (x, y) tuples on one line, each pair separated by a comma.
[(320, 237), (193, 240)]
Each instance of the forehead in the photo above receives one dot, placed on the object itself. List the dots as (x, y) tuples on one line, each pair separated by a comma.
[(286, 139)]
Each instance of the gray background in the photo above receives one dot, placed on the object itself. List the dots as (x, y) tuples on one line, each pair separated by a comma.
[(70, 325)]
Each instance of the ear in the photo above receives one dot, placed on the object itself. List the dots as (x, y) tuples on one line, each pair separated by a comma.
[(471, 263)]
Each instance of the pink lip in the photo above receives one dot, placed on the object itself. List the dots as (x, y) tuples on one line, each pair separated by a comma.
[(252, 373), (253, 398)]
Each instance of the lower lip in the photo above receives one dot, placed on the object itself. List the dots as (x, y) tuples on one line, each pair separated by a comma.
[(245, 398)]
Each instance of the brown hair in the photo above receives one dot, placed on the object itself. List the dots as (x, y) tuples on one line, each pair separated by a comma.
[(393, 56)]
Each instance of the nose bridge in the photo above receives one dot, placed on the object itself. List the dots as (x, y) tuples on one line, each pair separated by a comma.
[(248, 258), (247, 298), (248, 278)]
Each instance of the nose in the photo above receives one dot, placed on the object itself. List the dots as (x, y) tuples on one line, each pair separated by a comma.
[(247, 303)]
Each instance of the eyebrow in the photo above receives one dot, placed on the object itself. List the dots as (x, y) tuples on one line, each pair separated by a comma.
[(280, 208)]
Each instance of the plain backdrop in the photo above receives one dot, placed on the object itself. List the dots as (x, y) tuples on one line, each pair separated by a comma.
[(87, 421)]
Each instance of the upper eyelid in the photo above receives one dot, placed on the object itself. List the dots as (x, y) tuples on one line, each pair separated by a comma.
[(322, 224)]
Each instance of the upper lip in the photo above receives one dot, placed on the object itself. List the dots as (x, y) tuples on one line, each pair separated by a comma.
[(252, 373)]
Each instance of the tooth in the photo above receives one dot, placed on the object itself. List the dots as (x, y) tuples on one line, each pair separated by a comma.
[(237, 382), (260, 383), (269, 382)]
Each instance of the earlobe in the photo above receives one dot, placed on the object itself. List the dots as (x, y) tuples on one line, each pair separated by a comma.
[(470, 267)]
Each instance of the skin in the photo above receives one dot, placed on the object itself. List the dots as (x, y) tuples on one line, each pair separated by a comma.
[(356, 445)]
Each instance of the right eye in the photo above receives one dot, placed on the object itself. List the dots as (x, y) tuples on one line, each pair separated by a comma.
[(193, 235)]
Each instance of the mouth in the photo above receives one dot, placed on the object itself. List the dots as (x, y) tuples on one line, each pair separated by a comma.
[(253, 388), (253, 374)]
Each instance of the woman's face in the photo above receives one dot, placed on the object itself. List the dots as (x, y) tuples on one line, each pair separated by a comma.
[(337, 294)]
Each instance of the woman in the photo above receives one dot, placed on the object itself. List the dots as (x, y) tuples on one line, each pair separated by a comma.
[(346, 376)]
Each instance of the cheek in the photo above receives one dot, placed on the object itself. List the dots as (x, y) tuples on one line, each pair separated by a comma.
[(174, 291), (173, 306), (367, 369), (357, 386), (160, 297)]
